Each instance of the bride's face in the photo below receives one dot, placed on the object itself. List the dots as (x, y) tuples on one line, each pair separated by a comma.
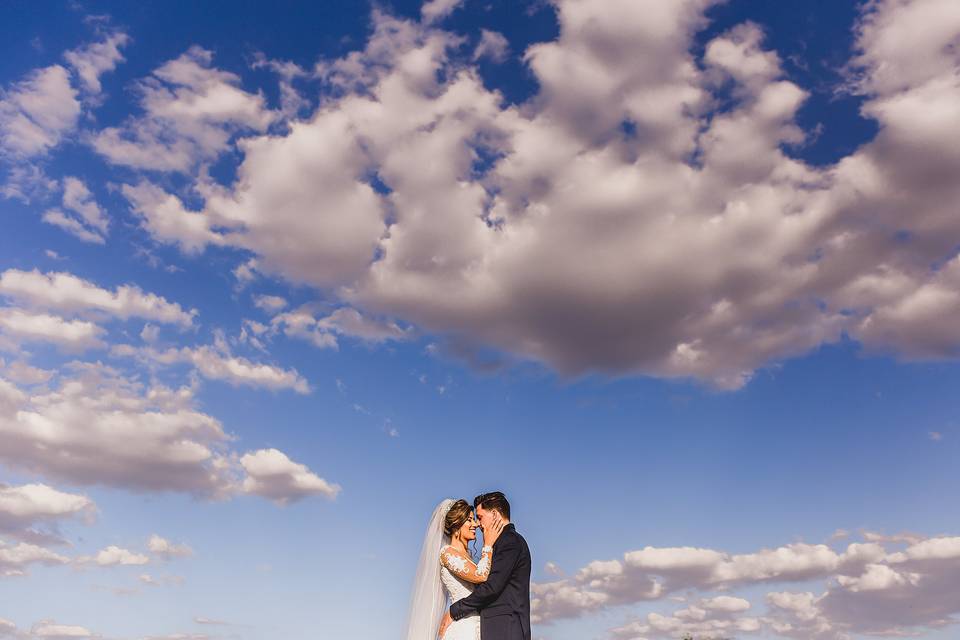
[(468, 530)]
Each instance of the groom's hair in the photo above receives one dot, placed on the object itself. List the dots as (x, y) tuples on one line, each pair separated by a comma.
[(493, 501)]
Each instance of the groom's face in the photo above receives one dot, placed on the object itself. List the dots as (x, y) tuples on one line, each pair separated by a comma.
[(486, 517)]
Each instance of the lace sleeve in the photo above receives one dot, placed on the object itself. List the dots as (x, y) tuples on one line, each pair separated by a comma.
[(464, 568)]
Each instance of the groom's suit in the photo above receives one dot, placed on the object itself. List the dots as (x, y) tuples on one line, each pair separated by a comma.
[(504, 599)]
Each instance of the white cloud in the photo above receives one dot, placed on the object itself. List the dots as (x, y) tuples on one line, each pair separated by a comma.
[(15, 560), (20, 371), (99, 426), (37, 112), (271, 474), (616, 222), (69, 335), (191, 110), (67, 293), (114, 556), (322, 331), (23, 507), (50, 630), (165, 549), (215, 364), (492, 45), (93, 60), (89, 222), (434, 10), (269, 304)]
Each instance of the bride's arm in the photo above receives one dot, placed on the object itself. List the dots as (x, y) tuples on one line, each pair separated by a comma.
[(464, 568)]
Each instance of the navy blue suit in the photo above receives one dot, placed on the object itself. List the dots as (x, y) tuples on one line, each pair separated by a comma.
[(504, 599)]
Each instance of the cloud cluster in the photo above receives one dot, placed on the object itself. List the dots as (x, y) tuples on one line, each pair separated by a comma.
[(190, 112), (23, 508), (97, 426), (869, 588), (618, 221), (66, 293)]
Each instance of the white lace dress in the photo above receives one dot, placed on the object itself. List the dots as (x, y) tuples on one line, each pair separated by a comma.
[(458, 574)]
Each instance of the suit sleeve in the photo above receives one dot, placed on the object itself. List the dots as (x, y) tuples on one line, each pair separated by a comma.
[(505, 558)]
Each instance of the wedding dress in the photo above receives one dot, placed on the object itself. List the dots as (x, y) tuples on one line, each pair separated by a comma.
[(453, 569), (437, 584)]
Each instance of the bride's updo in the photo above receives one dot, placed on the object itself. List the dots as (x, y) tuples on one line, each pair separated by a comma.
[(460, 511)]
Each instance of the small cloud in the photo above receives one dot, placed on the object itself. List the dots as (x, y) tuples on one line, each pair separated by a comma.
[(936, 436)]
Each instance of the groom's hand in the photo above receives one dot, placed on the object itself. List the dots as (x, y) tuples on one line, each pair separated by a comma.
[(446, 622)]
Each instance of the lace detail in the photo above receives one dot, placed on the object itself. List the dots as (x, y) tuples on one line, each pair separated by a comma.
[(483, 567), (467, 628)]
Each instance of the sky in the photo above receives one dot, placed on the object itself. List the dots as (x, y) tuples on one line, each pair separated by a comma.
[(679, 277)]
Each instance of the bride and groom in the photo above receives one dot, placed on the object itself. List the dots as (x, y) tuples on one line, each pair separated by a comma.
[(491, 597)]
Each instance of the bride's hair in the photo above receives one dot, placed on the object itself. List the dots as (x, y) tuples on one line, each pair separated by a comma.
[(460, 511)]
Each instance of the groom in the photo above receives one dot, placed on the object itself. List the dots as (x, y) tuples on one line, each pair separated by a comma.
[(504, 599)]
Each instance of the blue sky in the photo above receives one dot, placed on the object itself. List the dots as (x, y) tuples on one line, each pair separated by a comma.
[(678, 277)]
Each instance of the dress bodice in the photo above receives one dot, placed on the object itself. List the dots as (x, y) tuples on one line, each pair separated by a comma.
[(456, 588)]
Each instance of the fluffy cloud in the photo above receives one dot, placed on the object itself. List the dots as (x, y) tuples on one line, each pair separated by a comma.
[(37, 112), (216, 364), (191, 110), (564, 231), (16, 559), (323, 331), (24, 507), (70, 335), (114, 556), (85, 219), (271, 474), (93, 60), (96, 427), (165, 549), (869, 589), (99, 426), (67, 293)]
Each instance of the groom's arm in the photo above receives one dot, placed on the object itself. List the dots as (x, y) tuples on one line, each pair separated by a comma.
[(505, 558)]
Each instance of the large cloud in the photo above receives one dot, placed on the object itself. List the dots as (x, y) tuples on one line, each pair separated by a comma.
[(97, 426), (869, 587), (23, 508), (619, 220), (67, 293)]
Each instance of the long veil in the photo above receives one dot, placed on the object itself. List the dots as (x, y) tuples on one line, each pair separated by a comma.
[(427, 601)]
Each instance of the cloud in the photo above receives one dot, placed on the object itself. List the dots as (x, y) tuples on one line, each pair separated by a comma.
[(24, 507), (191, 111), (98, 426), (114, 556), (37, 112), (215, 364), (710, 618), (50, 630), (67, 293), (271, 474), (16, 559), (167, 550), (868, 589), (642, 213), (323, 331), (269, 304), (93, 60), (492, 45), (69, 335), (434, 10), (88, 221)]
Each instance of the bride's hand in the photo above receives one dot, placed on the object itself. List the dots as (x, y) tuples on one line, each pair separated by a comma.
[(444, 623), (490, 537)]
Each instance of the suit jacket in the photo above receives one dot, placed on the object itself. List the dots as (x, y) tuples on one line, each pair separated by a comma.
[(504, 599)]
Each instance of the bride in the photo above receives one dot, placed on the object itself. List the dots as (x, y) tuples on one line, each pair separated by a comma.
[(447, 571)]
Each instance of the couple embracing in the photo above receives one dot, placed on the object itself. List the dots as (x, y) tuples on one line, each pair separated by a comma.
[(491, 597)]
